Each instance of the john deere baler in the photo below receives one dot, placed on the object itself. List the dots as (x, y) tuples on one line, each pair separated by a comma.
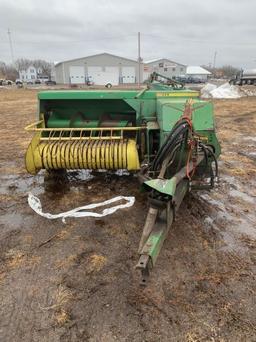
[(164, 133)]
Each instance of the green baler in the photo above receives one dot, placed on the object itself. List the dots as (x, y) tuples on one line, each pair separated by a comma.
[(164, 133)]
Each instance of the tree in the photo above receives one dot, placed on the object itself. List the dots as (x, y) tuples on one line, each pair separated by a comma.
[(229, 71), (11, 73), (44, 65), (2, 69), (22, 64), (226, 71)]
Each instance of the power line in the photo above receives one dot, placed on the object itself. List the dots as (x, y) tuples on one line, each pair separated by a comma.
[(10, 42), (214, 59), (139, 58)]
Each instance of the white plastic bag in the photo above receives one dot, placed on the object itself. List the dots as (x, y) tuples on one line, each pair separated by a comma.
[(35, 204)]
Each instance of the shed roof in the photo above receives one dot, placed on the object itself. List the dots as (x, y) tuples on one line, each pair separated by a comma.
[(98, 54), (197, 70)]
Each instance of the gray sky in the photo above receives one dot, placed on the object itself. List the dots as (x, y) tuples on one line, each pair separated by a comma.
[(187, 31)]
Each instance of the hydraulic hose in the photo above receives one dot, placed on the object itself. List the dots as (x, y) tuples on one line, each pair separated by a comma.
[(207, 150), (178, 131)]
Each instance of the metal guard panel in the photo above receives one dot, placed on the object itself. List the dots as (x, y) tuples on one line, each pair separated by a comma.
[(171, 110), (165, 186)]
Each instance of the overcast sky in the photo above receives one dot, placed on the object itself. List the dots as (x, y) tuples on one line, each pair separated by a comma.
[(186, 31)]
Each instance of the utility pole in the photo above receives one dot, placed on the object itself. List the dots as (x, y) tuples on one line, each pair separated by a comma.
[(139, 60), (214, 59), (10, 41)]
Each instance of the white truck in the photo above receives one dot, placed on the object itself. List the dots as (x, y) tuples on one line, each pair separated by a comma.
[(244, 77)]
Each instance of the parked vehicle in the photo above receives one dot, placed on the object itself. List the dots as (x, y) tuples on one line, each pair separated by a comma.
[(38, 82), (196, 80), (5, 82), (244, 77), (18, 82), (50, 82), (182, 79)]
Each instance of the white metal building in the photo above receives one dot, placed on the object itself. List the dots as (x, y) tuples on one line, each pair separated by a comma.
[(100, 69), (198, 72), (164, 67)]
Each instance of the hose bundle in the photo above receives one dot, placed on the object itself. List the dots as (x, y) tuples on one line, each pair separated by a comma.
[(176, 137)]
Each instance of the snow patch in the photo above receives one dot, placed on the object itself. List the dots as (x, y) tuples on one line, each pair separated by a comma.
[(225, 91)]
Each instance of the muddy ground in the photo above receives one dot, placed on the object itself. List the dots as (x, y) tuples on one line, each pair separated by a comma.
[(77, 282)]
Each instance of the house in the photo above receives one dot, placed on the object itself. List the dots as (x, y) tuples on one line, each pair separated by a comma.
[(99, 69), (31, 74)]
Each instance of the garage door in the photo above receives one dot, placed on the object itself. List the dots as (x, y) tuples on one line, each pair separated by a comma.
[(128, 74), (77, 74), (103, 75)]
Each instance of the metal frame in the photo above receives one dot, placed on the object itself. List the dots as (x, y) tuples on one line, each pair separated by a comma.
[(52, 137), (156, 227)]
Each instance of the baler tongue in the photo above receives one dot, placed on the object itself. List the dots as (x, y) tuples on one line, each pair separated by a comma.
[(165, 199)]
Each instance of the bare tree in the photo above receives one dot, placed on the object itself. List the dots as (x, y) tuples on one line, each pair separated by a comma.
[(44, 65), (22, 64), (11, 73), (227, 71), (2, 69)]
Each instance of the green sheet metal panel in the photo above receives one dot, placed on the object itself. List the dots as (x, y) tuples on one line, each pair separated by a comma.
[(145, 108), (164, 186), (85, 111), (170, 111), (93, 102), (203, 116), (113, 94), (85, 94)]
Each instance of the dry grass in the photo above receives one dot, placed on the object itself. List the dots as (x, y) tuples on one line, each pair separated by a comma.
[(2, 276), (67, 262), (97, 262), (191, 337), (27, 239), (61, 317), (249, 241), (14, 258), (63, 234), (33, 260), (62, 296)]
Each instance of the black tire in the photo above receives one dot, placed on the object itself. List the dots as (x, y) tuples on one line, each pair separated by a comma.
[(108, 85)]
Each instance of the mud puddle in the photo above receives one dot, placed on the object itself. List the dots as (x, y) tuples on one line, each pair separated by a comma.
[(59, 192)]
